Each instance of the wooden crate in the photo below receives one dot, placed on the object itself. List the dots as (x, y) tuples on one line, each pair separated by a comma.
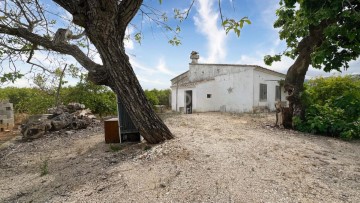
[(111, 127)]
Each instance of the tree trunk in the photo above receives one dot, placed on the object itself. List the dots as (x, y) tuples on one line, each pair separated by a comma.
[(106, 30), (123, 82), (294, 81)]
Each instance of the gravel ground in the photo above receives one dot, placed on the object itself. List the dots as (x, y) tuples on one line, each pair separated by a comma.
[(214, 158)]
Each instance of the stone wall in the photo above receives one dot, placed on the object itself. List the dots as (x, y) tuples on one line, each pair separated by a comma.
[(6, 116)]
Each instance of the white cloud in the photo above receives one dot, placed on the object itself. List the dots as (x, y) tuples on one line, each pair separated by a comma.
[(161, 67), (281, 66), (206, 22), (157, 77), (138, 67), (129, 43), (22, 82), (157, 82)]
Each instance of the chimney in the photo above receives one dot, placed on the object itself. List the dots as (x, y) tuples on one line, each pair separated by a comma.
[(194, 57)]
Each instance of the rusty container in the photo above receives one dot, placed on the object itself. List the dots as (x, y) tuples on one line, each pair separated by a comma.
[(111, 127)]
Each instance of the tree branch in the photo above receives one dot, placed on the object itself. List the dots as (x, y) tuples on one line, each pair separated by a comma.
[(127, 11), (69, 5), (63, 48)]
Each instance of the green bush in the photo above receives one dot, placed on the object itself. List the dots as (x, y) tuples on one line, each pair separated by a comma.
[(27, 100), (158, 97), (99, 99), (151, 96), (332, 107)]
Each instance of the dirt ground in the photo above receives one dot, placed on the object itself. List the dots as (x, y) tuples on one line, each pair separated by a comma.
[(214, 158)]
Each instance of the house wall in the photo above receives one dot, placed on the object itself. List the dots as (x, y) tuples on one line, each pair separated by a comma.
[(201, 72), (181, 97), (271, 81), (232, 88), (231, 92)]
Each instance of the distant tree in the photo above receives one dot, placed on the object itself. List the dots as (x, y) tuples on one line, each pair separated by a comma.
[(100, 99), (158, 97), (321, 33), (164, 96), (27, 100), (152, 97)]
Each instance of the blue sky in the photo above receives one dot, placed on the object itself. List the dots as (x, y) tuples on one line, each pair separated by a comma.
[(155, 61)]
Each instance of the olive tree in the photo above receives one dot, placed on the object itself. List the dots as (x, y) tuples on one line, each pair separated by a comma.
[(321, 33), (104, 23)]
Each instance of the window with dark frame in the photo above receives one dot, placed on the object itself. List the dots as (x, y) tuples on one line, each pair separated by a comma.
[(208, 95), (263, 92), (277, 93)]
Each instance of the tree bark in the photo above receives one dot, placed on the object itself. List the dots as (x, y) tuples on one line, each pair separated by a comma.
[(294, 81)]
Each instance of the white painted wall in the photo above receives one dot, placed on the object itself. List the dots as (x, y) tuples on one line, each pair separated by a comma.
[(272, 82), (230, 93), (232, 88), (181, 97)]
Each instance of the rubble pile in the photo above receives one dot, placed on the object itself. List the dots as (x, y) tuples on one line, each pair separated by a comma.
[(73, 116)]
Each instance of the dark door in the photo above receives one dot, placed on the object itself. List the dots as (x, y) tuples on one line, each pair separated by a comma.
[(188, 101)]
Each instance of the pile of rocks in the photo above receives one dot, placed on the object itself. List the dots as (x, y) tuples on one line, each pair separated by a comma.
[(73, 116)]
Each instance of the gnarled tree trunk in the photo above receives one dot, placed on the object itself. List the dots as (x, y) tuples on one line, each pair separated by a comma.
[(294, 81), (105, 22)]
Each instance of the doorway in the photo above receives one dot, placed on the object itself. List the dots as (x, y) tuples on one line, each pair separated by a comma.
[(188, 101)]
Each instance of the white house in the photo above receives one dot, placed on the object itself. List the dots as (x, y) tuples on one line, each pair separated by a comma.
[(226, 88)]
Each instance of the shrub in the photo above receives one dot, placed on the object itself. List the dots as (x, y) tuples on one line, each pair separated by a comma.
[(332, 107), (158, 97)]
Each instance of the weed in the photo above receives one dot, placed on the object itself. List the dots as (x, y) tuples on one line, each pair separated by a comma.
[(147, 147), (115, 148), (44, 168)]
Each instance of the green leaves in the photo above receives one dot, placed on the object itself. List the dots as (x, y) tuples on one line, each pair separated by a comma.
[(138, 37), (236, 26), (270, 59), (340, 40), (175, 41), (332, 107), (10, 77)]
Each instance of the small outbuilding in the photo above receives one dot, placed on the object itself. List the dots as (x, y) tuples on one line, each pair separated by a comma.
[(226, 88), (6, 116)]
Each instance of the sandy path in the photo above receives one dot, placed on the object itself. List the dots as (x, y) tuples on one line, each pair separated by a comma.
[(214, 158)]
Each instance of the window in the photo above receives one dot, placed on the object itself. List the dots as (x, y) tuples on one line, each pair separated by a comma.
[(8, 108), (1, 121), (208, 95), (277, 93), (263, 92)]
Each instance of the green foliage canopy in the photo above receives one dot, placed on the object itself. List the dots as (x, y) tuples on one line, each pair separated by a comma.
[(158, 97), (341, 41)]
